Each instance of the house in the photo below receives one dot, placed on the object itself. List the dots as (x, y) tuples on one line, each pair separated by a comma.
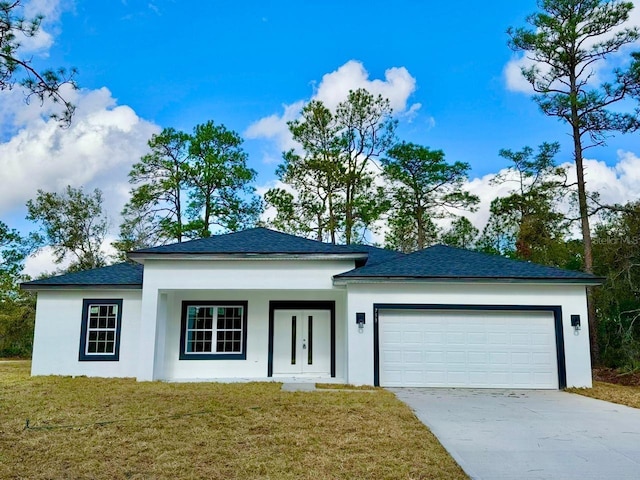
[(264, 305)]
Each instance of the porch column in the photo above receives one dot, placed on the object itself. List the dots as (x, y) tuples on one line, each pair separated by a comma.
[(148, 333), (359, 341), (161, 333)]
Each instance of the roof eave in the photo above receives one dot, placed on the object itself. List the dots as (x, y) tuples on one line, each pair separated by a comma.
[(140, 257), (97, 286), (344, 280)]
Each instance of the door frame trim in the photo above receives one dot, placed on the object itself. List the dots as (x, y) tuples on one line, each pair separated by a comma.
[(329, 305), (555, 309)]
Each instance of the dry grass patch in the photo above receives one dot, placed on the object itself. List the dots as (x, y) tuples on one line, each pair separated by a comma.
[(118, 428), (622, 394)]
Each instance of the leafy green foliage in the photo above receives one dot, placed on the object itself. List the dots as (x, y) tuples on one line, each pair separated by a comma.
[(73, 224), (317, 207), (422, 187), (17, 308), (219, 182), (155, 211), (526, 224), (16, 69), (185, 186), (461, 234), (617, 257), (331, 193)]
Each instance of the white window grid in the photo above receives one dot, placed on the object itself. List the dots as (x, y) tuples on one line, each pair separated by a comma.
[(102, 324), (225, 334)]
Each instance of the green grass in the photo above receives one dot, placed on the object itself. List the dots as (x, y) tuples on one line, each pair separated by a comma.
[(118, 428), (621, 394)]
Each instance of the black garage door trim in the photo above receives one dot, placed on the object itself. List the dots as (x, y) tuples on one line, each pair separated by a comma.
[(557, 316)]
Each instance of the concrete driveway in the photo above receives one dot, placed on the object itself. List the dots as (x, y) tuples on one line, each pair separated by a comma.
[(526, 434)]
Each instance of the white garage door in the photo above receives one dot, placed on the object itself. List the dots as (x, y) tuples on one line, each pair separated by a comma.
[(475, 349)]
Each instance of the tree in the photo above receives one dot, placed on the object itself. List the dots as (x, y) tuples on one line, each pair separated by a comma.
[(617, 257), (73, 224), (15, 69), (402, 235), (187, 184), (331, 182), (315, 177), (139, 229), (422, 187), (157, 200), (527, 224), (219, 181), (17, 307), (568, 40), (366, 132), (461, 234)]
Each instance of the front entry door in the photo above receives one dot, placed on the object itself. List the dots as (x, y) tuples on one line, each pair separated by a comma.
[(302, 342)]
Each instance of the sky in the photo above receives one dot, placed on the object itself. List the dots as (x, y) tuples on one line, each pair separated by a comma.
[(144, 65)]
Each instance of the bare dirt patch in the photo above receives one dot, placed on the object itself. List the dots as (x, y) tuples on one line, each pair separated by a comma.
[(611, 375)]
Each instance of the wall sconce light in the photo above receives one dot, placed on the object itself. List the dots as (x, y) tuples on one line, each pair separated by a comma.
[(360, 320), (575, 323)]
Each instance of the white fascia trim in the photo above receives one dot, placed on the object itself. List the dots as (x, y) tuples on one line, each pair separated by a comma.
[(543, 281), (141, 257)]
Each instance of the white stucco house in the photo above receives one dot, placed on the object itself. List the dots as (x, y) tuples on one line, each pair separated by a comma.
[(264, 305)]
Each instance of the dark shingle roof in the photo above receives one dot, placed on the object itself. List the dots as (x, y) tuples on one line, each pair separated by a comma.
[(442, 262), (253, 241), (377, 255), (125, 275)]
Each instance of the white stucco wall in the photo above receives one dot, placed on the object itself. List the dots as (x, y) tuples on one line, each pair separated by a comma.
[(571, 298), (56, 340), (169, 282)]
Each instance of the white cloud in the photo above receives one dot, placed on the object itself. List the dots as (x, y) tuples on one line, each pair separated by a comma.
[(42, 263), (97, 150), (398, 85), (44, 39), (513, 74), (274, 127)]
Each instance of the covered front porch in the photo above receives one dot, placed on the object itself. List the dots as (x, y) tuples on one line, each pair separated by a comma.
[(244, 335)]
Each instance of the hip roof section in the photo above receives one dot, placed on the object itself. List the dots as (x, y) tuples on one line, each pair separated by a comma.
[(449, 263), (256, 241)]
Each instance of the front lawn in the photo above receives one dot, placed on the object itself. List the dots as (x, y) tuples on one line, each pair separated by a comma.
[(105, 428)]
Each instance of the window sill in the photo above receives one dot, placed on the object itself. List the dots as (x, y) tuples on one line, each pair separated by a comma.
[(213, 356)]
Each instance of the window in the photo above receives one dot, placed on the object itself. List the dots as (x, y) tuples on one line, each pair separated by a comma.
[(213, 330), (100, 330)]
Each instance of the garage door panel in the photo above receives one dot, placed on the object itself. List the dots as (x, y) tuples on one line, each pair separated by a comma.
[(468, 349)]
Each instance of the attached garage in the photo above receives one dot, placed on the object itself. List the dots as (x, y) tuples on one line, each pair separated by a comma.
[(469, 346)]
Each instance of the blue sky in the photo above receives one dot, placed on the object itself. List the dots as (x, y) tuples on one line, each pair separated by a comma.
[(144, 65)]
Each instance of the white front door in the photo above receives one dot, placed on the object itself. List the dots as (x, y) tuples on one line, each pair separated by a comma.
[(302, 342)]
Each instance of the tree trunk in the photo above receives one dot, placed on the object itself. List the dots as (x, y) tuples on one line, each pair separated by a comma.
[(420, 225), (586, 235), (348, 216)]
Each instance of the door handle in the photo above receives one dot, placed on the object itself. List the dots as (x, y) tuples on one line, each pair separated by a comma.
[(304, 344)]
